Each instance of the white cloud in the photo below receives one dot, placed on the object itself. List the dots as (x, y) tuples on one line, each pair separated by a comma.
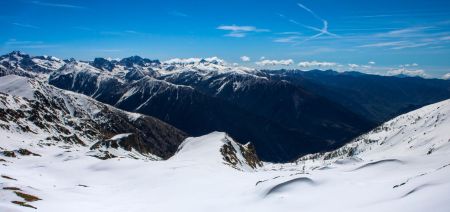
[(353, 66), (262, 58), (384, 44), (309, 64), (245, 58), (237, 28), (239, 31), (48, 4), (289, 33), (407, 32), (236, 34), (25, 25), (178, 13), (372, 63), (409, 65), (19, 42), (403, 71), (410, 45), (397, 45), (290, 39), (446, 76), (275, 62)]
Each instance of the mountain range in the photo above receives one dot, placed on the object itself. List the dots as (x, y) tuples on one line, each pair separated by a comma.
[(284, 113)]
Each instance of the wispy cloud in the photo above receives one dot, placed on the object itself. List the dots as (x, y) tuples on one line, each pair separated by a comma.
[(25, 25), (245, 58), (38, 46), (132, 31), (239, 31), (124, 33), (178, 14), (397, 45), (289, 33), (410, 37), (383, 44), (407, 32), (289, 39), (410, 45), (50, 4), (275, 62), (26, 44)]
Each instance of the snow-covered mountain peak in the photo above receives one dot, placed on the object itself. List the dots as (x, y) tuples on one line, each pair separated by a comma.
[(203, 65), (79, 66), (187, 61), (218, 148), (25, 65)]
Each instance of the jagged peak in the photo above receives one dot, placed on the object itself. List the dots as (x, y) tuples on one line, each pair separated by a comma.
[(137, 60), (103, 64)]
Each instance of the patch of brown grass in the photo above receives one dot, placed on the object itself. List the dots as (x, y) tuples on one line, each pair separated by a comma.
[(24, 204), (7, 177), (11, 188), (27, 197)]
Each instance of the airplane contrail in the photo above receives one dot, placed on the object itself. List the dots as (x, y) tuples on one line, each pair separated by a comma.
[(310, 11), (322, 31)]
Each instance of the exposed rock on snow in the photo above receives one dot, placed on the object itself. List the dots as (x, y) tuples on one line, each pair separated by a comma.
[(218, 148)]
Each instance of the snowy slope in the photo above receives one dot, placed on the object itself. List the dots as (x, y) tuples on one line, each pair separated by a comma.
[(418, 133), (389, 169), (56, 117), (17, 86)]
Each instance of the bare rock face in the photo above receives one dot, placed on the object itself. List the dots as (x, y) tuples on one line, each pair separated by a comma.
[(70, 119), (239, 156)]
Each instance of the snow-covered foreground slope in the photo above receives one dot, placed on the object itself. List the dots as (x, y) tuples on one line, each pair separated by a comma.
[(402, 166)]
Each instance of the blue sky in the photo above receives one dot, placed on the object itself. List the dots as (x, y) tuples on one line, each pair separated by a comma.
[(373, 36)]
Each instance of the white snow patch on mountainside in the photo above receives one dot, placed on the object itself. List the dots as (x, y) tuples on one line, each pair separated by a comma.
[(18, 86)]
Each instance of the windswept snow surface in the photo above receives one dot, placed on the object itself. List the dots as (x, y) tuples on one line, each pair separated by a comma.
[(17, 86), (402, 166)]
